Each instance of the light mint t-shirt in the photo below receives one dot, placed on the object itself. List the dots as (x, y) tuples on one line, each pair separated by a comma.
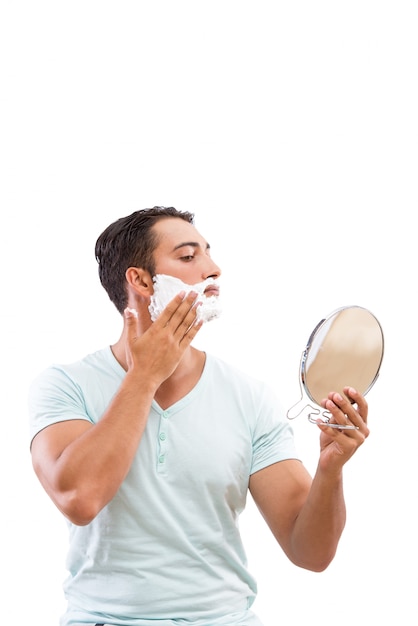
[(166, 551)]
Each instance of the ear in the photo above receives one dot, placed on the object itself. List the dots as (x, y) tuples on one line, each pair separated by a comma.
[(140, 280)]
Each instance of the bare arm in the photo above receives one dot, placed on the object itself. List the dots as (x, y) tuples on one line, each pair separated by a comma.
[(306, 516), (81, 465)]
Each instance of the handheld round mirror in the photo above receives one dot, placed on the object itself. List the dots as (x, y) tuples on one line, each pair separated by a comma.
[(344, 349)]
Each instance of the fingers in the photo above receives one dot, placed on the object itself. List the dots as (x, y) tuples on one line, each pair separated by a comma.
[(348, 410), (359, 400), (180, 315)]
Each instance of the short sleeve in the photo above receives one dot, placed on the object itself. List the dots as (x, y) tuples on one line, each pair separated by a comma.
[(54, 397), (273, 438)]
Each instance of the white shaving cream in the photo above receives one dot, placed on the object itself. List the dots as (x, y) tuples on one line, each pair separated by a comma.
[(166, 287)]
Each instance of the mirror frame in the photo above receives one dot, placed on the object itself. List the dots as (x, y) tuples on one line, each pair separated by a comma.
[(317, 411)]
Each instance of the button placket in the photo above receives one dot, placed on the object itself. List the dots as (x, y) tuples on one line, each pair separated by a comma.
[(162, 442)]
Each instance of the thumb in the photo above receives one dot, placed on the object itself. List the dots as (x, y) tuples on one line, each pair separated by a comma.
[(129, 313), (131, 316)]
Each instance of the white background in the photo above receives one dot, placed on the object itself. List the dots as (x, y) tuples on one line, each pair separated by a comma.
[(290, 129)]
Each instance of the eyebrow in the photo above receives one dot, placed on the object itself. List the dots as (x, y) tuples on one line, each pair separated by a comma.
[(193, 244)]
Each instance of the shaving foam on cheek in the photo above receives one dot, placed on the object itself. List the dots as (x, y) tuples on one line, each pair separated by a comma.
[(166, 287)]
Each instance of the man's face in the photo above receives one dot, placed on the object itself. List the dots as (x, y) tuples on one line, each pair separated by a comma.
[(182, 252), (183, 263)]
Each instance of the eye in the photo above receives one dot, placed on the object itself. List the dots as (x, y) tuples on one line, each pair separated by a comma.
[(187, 258)]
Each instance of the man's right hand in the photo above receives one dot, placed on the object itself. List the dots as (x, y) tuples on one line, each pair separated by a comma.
[(157, 352)]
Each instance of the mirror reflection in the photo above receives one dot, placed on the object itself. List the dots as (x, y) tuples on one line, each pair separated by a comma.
[(344, 349)]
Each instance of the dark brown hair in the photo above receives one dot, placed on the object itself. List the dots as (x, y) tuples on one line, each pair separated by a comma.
[(130, 242)]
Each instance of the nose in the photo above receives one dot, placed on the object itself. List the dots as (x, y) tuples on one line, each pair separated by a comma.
[(212, 270)]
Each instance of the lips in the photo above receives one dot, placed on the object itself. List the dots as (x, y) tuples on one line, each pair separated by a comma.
[(211, 290)]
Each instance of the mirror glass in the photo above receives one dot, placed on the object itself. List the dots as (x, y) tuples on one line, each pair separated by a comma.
[(344, 349)]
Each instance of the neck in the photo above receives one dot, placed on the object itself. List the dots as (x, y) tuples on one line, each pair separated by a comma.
[(183, 379)]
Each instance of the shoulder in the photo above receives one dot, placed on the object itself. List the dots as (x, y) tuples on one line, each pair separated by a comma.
[(255, 398), (77, 390), (90, 365), (237, 378), (236, 373)]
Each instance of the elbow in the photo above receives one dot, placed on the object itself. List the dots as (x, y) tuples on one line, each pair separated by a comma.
[(319, 567), (317, 564), (78, 509), (79, 501)]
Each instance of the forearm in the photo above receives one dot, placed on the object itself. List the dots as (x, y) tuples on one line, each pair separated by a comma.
[(320, 523)]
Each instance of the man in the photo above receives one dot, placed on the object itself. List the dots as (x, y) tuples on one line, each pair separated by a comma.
[(148, 448)]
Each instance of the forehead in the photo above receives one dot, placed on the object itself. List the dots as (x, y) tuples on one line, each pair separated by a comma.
[(173, 231)]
